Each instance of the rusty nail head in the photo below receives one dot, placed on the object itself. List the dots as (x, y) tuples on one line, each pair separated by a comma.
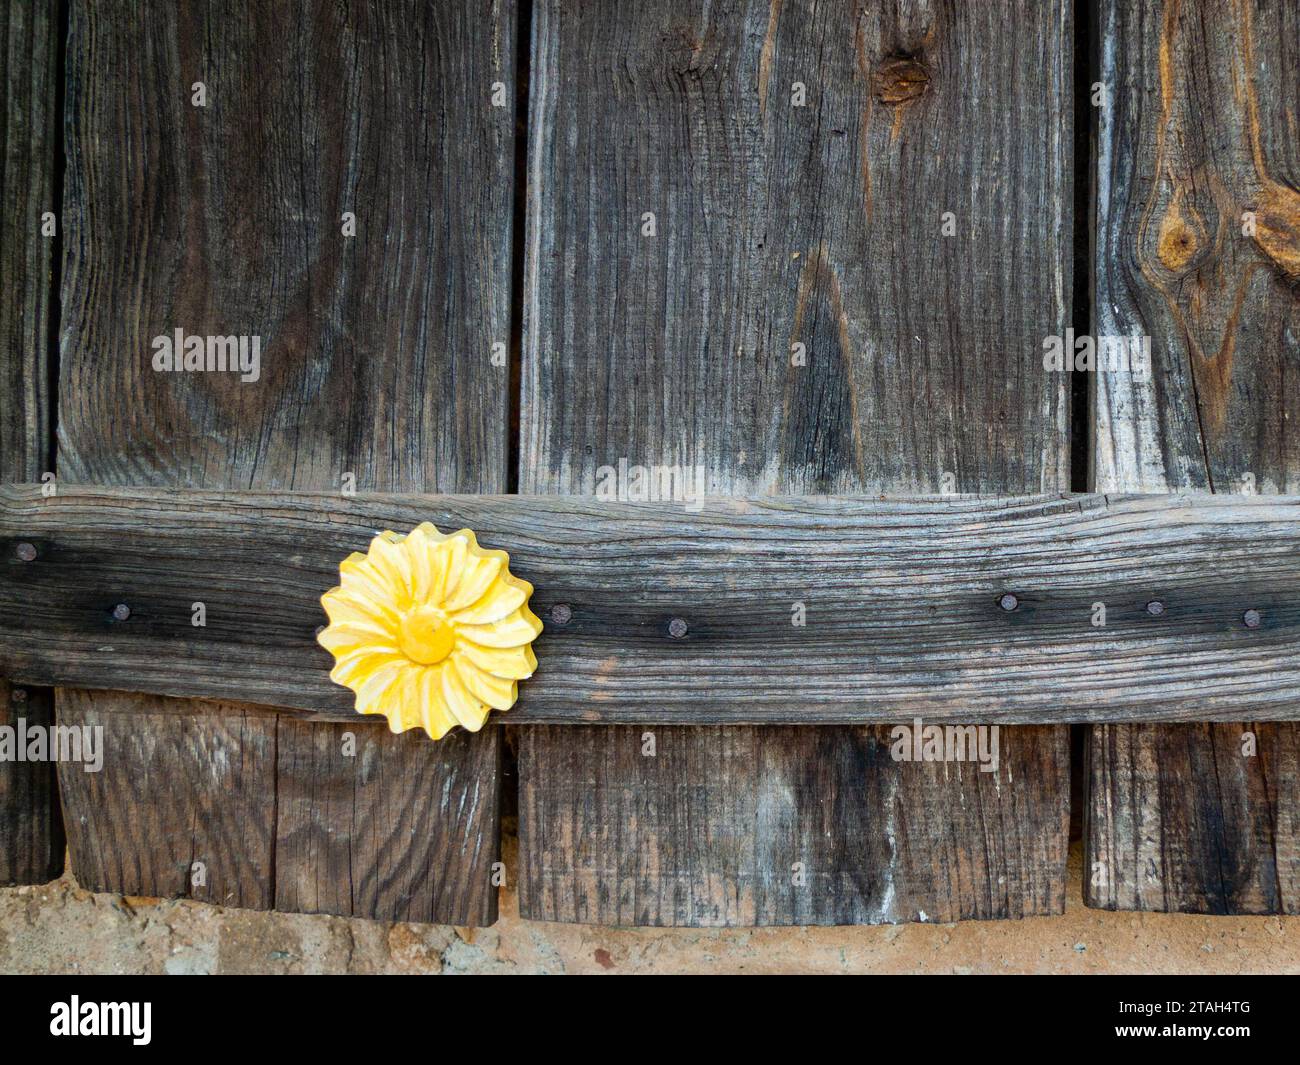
[(1252, 618), (561, 613), (121, 611), (1008, 602), (26, 552), (677, 628), (1155, 608)]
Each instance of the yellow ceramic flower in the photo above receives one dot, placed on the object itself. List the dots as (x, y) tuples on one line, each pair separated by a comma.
[(430, 630)]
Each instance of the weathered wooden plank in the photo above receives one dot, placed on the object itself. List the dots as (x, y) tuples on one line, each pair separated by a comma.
[(692, 220), (1196, 818), (29, 64), (902, 601), (1198, 238), (134, 828), (816, 827), (31, 843), (372, 832), (777, 225), (354, 218), (31, 830), (375, 354)]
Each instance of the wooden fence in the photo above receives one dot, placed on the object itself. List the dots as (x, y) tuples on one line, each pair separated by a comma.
[(784, 250)]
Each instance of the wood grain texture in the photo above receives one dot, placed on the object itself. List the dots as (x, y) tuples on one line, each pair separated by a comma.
[(31, 830), (1199, 142), (1201, 131), (900, 601), (1183, 819), (31, 844), (29, 73), (228, 220), (375, 349), (810, 827), (778, 225), (138, 828), (404, 829)]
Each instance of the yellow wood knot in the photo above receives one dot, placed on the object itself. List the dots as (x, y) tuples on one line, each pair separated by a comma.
[(430, 630), (1277, 227), (1180, 235)]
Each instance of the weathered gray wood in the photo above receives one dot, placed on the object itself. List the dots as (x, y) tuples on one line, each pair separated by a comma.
[(1199, 246), (1183, 819), (134, 828), (816, 826), (778, 225), (31, 830), (902, 601), (31, 844), (231, 219), (404, 829), (29, 73), (375, 348)]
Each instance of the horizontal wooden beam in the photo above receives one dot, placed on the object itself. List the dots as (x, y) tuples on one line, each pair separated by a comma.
[(808, 610)]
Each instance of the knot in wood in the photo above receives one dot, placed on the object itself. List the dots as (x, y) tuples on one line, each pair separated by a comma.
[(900, 79), (1277, 228)]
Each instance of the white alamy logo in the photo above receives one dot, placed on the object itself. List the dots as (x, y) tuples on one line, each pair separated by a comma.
[(53, 743), (102, 1018), (919, 742), (1100, 354), (208, 354), (651, 484)]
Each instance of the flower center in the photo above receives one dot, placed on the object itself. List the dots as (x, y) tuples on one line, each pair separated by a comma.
[(425, 636)]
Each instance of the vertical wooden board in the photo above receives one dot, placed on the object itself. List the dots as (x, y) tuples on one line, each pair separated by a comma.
[(228, 219), (31, 842), (31, 830), (134, 828), (1181, 821), (753, 826), (1198, 246), (777, 225), (370, 833)]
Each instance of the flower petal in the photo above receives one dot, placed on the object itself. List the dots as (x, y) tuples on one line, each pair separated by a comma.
[(421, 550), (497, 693), (453, 551), (468, 711), (435, 716), (515, 630), (356, 667), (342, 636), (390, 556), (473, 580), (366, 588), (374, 694), (508, 663), (502, 598)]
